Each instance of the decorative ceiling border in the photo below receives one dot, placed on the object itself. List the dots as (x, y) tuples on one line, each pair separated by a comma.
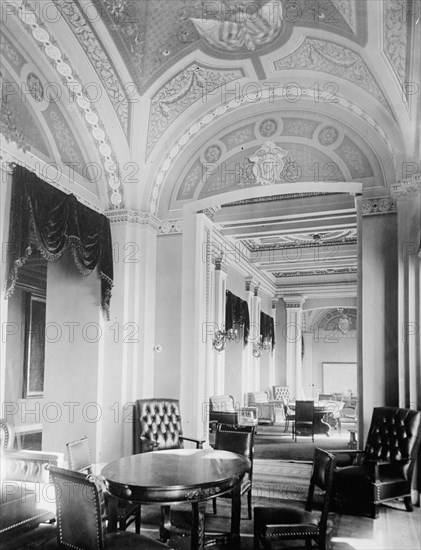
[(93, 48), (313, 272), (267, 95), (344, 289), (283, 246), (65, 70)]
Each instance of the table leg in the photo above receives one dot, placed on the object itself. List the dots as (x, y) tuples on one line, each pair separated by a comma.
[(165, 524), (235, 514), (198, 525), (112, 514)]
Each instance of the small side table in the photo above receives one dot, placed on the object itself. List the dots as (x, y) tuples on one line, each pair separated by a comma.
[(352, 439)]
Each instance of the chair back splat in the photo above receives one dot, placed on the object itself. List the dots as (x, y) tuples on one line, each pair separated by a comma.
[(304, 418)]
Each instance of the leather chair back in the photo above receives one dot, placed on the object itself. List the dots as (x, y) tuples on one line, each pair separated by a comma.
[(394, 435), (157, 420), (321, 477), (281, 393), (79, 455), (80, 510), (304, 411)]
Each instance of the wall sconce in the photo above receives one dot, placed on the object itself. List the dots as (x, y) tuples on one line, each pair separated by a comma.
[(221, 336), (261, 345)]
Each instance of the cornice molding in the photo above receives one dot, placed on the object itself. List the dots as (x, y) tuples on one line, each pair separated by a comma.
[(376, 206), (323, 290), (294, 302), (133, 216)]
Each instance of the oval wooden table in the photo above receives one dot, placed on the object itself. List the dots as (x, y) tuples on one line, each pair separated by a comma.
[(180, 475)]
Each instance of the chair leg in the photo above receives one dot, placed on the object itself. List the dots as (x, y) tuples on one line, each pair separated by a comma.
[(214, 505), (375, 511), (249, 503), (137, 520), (286, 425), (308, 544), (408, 504)]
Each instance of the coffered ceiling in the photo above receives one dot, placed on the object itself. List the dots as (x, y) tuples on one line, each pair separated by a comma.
[(153, 104)]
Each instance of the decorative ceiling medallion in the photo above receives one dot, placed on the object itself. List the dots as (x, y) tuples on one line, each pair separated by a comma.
[(268, 163), (29, 18), (327, 135), (213, 153), (239, 30), (268, 127)]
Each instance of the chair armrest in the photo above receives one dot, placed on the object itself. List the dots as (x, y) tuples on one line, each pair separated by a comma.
[(199, 442), (376, 464), (147, 444)]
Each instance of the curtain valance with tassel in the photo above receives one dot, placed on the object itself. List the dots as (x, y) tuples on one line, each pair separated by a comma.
[(237, 314), (58, 221)]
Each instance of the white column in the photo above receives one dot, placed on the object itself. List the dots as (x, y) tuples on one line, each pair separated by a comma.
[(408, 202), (220, 287), (308, 386), (197, 353), (248, 364), (255, 323), (294, 310)]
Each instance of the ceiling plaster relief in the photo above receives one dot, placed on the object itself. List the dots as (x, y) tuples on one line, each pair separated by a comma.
[(96, 54), (396, 20), (331, 58), (176, 96), (65, 70), (307, 94)]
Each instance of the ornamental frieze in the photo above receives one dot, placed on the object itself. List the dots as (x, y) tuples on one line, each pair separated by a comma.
[(396, 15)]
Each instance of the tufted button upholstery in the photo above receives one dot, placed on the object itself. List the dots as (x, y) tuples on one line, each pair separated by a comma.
[(157, 425), (384, 470)]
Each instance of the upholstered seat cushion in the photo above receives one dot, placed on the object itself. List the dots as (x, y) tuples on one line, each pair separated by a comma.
[(286, 520), (358, 482)]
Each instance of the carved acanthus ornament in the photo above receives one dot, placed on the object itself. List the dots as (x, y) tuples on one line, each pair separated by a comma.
[(294, 302), (395, 34), (331, 58), (179, 93)]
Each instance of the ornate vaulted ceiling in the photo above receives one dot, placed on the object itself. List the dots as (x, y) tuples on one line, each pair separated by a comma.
[(151, 104)]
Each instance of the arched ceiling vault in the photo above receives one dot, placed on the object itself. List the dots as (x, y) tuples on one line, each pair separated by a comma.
[(133, 77)]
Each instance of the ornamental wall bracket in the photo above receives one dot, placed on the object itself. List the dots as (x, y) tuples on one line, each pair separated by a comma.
[(268, 163)]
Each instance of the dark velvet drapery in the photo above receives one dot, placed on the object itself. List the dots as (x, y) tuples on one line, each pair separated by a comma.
[(237, 314), (58, 221), (267, 328)]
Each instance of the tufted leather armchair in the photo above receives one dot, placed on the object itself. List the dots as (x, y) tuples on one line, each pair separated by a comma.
[(383, 471), (157, 426)]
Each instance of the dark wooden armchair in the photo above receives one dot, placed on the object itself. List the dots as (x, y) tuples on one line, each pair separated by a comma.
[(383, 471), (157, 426), (80, 515), (240, 440)]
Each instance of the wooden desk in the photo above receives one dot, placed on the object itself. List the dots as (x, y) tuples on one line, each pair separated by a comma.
[(178, 476)]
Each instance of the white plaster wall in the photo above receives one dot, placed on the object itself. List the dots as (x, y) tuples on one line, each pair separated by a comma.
[(71, 408), (168, 316), (344, 350)]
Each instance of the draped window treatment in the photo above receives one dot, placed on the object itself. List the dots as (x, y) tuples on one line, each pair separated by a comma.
[(237, 314), (59, 221), (267, 328)]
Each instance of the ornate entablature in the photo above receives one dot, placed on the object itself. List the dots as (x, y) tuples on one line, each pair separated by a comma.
[(123, 216), (333, 59), (407, 187), (188, 86), (318, 272)]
